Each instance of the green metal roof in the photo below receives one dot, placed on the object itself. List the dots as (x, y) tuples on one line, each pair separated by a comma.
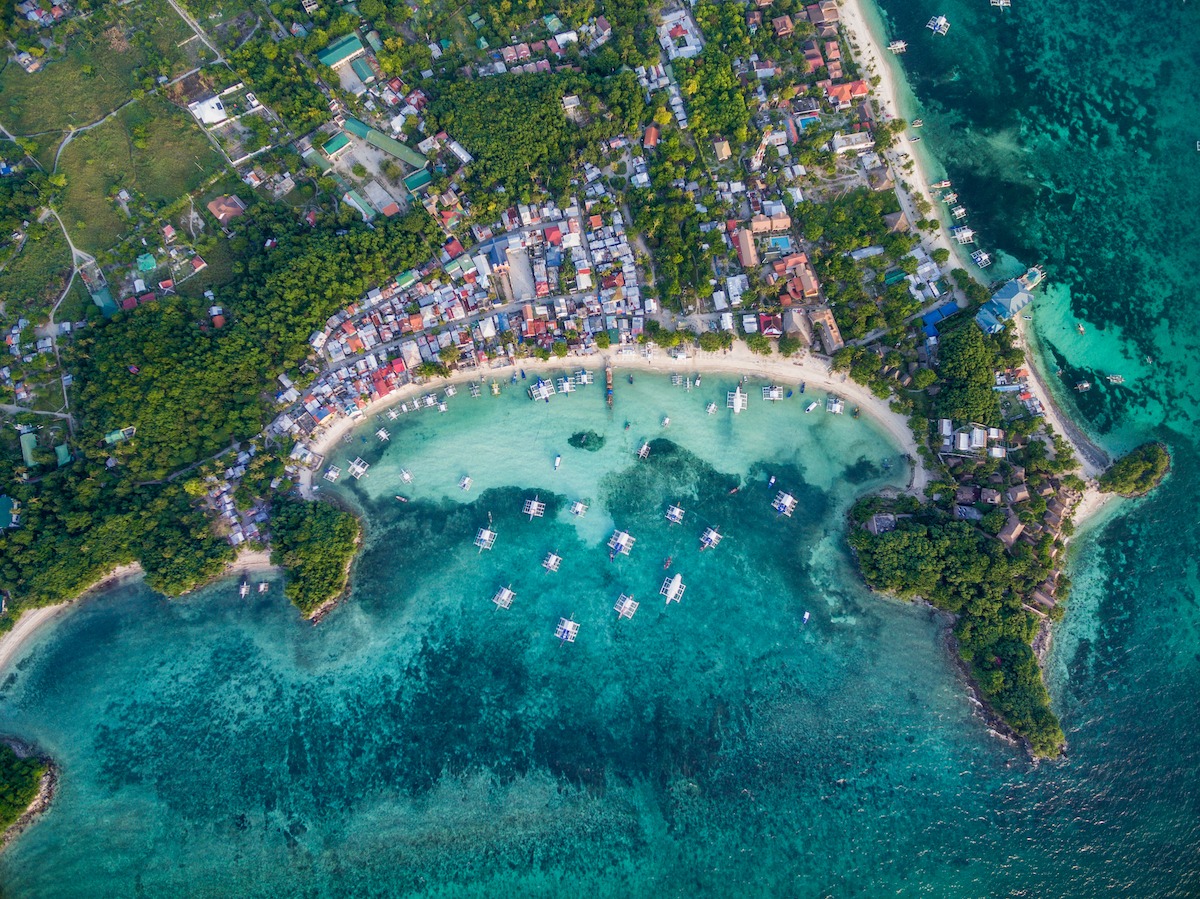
[(340, 50), (361, 202), (406, 279), (62, 453), (146, 263), (6, 511), (28, 445), (357, 128), (417, 180), (362, 69), (338, 142), (103, 299), (393, 147)]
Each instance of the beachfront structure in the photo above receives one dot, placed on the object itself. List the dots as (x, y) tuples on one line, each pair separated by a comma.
[(772, 393), (504, 597), (1010, 299), (464, 483), (579, 508), (643, 451), (358, 468), (406, 475), (485, 539), (383, 435), (835, 405), (709, 539), (567, 630), (674, 514), (784, 504), (938, 25), (673, 588), (625, 607), (534, 508), (552, 561), (620, 543), (737, 401), (332, 473)]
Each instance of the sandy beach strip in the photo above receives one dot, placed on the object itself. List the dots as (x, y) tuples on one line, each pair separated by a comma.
[(812, 370)]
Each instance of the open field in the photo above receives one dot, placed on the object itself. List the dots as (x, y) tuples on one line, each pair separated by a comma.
[(150, 149), (108, 57), (34, 277)]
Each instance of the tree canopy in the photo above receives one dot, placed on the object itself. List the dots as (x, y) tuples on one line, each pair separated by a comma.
[(314, 543), (1138, 472)]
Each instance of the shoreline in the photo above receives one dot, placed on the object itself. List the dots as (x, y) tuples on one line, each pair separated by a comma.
[(813, 370), (33, 621), (45, 794)]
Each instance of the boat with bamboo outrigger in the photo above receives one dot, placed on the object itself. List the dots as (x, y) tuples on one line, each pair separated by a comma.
[(608, 383)]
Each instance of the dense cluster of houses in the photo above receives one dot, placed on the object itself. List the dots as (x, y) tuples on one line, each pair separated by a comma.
[(238, 526)]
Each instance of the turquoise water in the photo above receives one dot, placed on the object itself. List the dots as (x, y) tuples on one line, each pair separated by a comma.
[(420, 742)]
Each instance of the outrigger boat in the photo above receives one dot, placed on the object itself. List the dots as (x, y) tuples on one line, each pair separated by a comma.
[(1115, 379)]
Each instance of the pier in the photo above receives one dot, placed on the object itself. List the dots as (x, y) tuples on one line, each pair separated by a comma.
[(608, 384)]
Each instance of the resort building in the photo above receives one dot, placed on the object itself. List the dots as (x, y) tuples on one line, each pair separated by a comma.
[(747, 253), (341, 52), (825, 326), (1008, 301)]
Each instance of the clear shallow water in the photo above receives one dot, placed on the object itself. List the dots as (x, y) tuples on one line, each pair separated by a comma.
[(420, 742)]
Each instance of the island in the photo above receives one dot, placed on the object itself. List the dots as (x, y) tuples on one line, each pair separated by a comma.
[(26, 787), (1138, 471)]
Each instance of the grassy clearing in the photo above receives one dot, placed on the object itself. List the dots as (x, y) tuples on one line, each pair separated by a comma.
[(117, 51), (34, 278), (78, 305), (152, 150)]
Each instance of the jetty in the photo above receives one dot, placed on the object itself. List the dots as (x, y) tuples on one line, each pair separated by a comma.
[(710, 539), (567, 630), (898, 46), (504, 597), (673, 588), (534, 508), (358, 468), (464, 483), (784, 503), (485, 539), (608, 384), (737, 401), (772, 393), (578, 508), (332, 473), (625, 606), (620, 543), (674, 514), (938, 25), (552, 561)]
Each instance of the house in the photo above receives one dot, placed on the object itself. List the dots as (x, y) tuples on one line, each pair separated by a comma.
[(1018, 493), (226, 208), (770, 325), (1011, 531), (824, 324), (783, 26), (650, 141), (990, 496), (341, 52), (337, 146), (721, 148), (881, 523), (168, 233), (967, 495), (855, 142), (796, 324), (747, 253), (842, 96), (1006, 302), (897, 222)]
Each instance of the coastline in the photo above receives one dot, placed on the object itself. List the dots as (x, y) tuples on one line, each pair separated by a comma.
[(32, 621), (812, 370)]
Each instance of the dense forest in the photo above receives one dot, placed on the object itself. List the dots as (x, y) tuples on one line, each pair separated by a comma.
[(314, 542), (1138, 472), (523, 143), (19, 781), (190, 390), (960, 570)]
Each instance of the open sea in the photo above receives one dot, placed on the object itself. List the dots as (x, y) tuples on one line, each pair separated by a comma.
[(420, 742)]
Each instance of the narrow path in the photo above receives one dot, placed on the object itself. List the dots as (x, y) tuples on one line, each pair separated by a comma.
[(195, 26)]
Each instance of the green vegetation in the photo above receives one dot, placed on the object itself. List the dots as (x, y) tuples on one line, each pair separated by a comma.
[(522, 141), (587, 440), (314, 542), (967, 364), (282, 82), (716, 103), (959, 570), (35, 277), (1138, 471), (19, 782), (117, 51), (150, 149)]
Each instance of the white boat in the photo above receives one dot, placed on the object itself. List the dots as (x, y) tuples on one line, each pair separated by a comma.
[(406, 475), (1115, 379), (898, 46), (672, 589), (263, 587), (504, 597), (557, 462), (711, 408), (666, 422), (451, 390), (244, 589), (578, 508), (625, 606), (552, 561), (464, 483), (938, 25), (804, 620), (813, 405), (567, 630), (710, 538)]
